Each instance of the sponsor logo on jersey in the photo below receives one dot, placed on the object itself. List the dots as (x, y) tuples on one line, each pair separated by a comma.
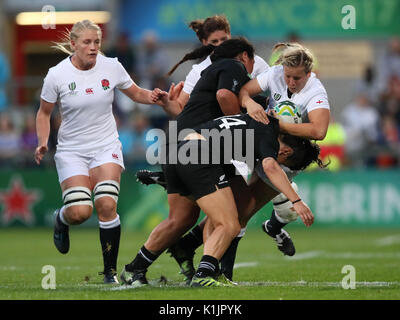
[(72, 86), (115, 156), (105, 84), (89, 91), (319, 101), (277, 96)]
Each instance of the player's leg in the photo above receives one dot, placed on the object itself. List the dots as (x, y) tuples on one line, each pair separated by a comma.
[(245, 202), (222, 226), (105, 179), (183, 214), (73, 175)]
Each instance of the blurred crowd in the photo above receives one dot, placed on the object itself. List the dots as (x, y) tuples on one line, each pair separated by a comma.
[(367, 133)]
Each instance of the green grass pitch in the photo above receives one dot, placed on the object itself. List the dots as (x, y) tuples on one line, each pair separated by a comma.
[(263, 273)]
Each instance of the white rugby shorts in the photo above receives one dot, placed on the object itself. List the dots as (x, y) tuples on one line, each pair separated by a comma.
[(73, 163)]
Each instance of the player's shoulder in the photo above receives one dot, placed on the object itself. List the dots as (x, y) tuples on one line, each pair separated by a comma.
[(108, 61), (260, 66), (315, 85), (198, 67), (59, 70)]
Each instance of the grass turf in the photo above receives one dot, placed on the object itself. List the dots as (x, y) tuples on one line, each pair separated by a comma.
[(263, 273)]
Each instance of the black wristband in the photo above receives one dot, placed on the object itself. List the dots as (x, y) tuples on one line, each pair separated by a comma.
[(298, 200)]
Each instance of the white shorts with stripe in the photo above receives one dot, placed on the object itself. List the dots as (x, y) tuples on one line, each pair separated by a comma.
[(73, 163)]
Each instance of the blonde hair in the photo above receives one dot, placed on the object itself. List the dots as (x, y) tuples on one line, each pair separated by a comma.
[(65, 44), (294, 55)]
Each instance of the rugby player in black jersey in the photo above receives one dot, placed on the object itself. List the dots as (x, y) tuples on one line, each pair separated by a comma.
[(206, 183)]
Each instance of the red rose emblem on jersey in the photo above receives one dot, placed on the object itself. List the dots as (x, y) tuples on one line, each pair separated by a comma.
[(105, 84)]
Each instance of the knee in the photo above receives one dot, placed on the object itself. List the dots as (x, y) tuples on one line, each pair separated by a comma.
[(106, 208), (78, 214), (235, 229)]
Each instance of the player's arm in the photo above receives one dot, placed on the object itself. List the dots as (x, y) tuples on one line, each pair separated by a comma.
[(228, 102), (255, 110), (279, 179), (43, 128), (140, 95), (177, 99), (316, 129)]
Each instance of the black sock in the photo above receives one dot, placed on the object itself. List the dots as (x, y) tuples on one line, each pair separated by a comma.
[(208, 267), (191, 241), (228, 259), (275, 226), (142, 261), (109, 239)]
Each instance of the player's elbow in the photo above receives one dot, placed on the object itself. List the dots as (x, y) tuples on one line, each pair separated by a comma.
[(270, 166), (228, 102), (318, 133)]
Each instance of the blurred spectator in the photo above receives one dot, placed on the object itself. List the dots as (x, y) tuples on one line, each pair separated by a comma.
[(332, 147), (28, 137), (389, 65), (152, 62), (360, 121), (133, 139), (125, 52), (9, 140), (4, 76), (367, 84)]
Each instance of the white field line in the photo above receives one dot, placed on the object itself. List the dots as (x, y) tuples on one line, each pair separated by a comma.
[(305, 255), (388, 241), (341, 255), (300, 283), (245, 264)]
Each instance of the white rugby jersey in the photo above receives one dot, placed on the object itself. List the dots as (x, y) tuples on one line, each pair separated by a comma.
[(194, 75), (85, 99), (311, 97)]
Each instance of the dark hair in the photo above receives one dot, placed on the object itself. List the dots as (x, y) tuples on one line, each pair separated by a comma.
[(228, 49), (304, 152), (231, 48), (204, 27)]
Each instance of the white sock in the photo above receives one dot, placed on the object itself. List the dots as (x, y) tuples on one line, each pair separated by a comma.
[(110, 224), (61, 215)]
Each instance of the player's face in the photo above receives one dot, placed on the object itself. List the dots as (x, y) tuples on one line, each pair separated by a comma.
[(216, 38), (87, 47), (247, 61), (284, 152), (295, 78)]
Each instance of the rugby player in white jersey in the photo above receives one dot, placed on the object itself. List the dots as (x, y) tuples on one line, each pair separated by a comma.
[(289, 82), (89, 156)]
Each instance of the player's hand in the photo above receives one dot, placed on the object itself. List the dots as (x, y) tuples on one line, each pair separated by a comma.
[(272, 113), (257, 112), (39, 153), (304, 212), (159, 96), (175, 91)]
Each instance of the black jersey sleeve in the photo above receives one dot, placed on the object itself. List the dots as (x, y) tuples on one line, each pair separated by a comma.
[(232, 76)]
